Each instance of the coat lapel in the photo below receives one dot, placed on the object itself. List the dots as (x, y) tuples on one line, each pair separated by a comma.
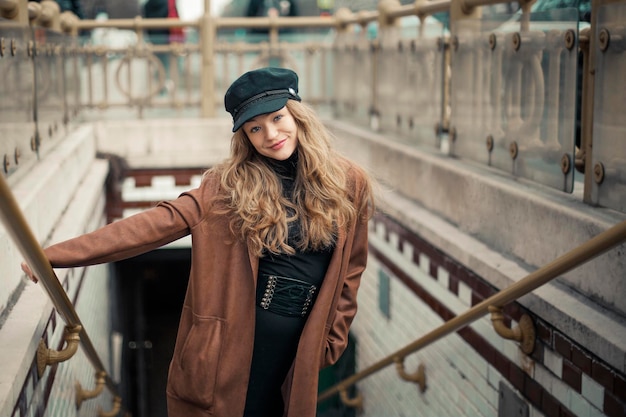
[(254, 263), (335, 261)]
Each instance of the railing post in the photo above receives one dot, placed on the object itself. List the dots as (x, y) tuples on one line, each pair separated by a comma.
[(50, 16), (586, 106), (68, 22), (459, 10), (16, 10), (207, 45)]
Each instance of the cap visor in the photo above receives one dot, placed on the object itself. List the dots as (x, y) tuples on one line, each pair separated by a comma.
[(258, 108)]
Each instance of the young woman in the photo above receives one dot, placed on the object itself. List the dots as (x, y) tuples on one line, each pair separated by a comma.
[(279, 234)]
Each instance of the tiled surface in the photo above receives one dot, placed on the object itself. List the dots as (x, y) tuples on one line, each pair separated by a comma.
[(558, 378), (53, 394), (427, 288)]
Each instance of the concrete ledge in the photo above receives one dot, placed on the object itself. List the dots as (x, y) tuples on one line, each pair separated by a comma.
[(433, 194), (20, 334), (166, 143), (43, 193), (527, 223), (599, 330)]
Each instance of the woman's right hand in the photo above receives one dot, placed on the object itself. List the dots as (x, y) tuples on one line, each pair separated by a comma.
[(29, 272)]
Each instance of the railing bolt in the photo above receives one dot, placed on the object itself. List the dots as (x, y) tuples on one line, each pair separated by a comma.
[(604, 39), (452, 134), (17, 154), (565, 163), (489, 143), (35, 141), (13, 47), (598, 173), (570, 39), (513, 150), (6, 164), (492, 41), (455, 43), (517, 41), (2, 47)]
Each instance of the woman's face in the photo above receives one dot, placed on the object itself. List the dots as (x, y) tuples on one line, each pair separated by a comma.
[(274, 135)]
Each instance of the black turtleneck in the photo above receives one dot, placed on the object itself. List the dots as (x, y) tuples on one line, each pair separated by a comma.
[(276, 336)]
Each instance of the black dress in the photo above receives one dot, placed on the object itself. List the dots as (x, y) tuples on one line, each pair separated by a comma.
[(276, 336)]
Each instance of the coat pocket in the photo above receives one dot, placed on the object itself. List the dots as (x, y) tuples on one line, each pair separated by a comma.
[(193, 373)]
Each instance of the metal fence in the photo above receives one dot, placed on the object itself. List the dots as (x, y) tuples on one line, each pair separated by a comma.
[(534, 94)]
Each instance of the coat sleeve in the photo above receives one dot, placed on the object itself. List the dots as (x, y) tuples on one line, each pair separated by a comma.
[(337, 339), (132, 236)]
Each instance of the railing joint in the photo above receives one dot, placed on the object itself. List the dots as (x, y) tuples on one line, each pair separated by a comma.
[(83, 395), (46, 356), (524, 332), (418, 377), (355, 402), (117, 404)]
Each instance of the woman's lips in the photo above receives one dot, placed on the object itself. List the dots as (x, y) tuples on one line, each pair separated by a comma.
[(279, 145)]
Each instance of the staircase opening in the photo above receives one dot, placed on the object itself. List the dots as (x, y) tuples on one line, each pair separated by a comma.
[(148, 296), (149, 293)]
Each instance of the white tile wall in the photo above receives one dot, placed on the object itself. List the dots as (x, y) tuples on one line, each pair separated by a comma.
[(592, 391), (553, 362), (460, 381)]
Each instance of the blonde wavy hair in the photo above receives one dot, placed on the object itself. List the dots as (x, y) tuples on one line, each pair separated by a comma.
[(253, 198)]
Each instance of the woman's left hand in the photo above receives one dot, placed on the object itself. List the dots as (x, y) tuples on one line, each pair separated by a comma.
[(29, 272)]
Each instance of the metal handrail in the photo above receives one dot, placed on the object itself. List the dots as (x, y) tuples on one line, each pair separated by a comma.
[(33, 254), (573, 259)]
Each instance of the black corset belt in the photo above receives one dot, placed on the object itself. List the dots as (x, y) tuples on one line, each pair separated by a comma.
[(285, 296)]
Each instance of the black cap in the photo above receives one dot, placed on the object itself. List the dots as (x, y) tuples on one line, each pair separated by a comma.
[(260, 91)]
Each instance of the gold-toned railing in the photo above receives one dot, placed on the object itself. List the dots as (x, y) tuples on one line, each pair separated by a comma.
[(573, 259), (75, 333)]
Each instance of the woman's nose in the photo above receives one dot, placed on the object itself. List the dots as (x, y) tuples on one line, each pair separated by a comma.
[(272, 131)]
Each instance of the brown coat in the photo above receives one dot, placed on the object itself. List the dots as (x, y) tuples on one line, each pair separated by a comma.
[(209, 371)]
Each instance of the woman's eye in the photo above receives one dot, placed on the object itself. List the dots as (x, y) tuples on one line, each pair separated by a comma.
[(254, 129), (278, 117)]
